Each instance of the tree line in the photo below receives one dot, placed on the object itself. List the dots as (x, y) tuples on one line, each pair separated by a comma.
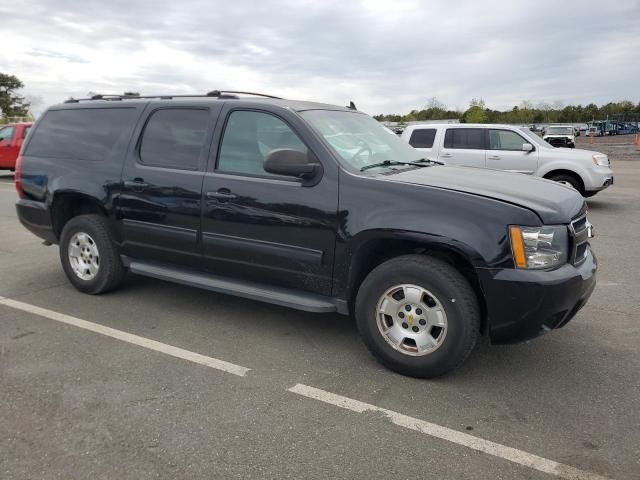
[(526, 113)]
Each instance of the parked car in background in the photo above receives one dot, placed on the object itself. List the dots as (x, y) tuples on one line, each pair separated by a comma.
[(310, 206), (560, 136), (11, 138), (515, 149)]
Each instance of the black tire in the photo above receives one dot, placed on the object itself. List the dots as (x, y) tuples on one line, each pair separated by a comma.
[(459, 302), (570, 179), (590, 194), (111, 272)]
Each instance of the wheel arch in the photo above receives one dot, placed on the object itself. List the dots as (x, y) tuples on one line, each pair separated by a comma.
[(67, 205), (571, 173), (377, 249)]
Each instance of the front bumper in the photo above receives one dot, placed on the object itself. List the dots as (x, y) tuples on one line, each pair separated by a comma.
[(523, 304)]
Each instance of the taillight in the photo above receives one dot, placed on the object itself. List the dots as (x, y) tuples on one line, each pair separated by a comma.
[(18, 177)]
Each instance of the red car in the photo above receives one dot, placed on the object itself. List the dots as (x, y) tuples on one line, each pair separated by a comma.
[(11, 138)]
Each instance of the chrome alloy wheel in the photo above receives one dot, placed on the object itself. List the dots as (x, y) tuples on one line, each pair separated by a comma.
[(412, 320), (84, 257)]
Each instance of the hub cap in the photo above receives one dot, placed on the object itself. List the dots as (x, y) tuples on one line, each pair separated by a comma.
[(411, 320), (83, 256)]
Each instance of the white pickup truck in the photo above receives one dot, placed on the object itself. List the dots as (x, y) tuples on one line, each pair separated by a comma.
[(514, 149)]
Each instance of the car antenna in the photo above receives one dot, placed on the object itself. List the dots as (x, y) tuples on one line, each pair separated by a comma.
[(352, 106)]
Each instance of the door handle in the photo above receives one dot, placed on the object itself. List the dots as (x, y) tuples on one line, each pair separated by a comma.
[(135, 184), (494, 157), (222, 194), (445, 155)]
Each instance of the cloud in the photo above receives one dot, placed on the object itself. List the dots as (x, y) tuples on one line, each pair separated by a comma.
[(386, 56)]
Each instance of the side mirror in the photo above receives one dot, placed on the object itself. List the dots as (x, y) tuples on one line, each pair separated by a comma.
[(527, 147), (291, 163)]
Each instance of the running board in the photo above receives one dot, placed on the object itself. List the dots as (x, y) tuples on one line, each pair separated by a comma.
[(308, 302)]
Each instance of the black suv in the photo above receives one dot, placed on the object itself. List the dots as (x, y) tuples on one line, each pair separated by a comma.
[(311, 206)]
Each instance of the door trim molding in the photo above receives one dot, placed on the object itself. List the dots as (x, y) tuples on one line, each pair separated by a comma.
[(261, 247)]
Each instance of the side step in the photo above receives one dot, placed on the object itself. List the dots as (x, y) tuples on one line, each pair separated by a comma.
[(308, 302)]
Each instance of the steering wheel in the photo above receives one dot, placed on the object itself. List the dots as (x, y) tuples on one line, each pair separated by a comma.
[(364, 148)]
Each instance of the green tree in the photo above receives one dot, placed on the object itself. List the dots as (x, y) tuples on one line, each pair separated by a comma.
[(12, 104), (476, 112)]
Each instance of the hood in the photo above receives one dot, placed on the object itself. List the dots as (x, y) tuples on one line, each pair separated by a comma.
[(553, 202)]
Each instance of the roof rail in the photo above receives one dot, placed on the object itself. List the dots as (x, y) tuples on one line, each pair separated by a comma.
[(222, 94)]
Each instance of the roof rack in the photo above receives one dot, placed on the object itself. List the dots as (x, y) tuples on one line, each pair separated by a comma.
[(221, 94)]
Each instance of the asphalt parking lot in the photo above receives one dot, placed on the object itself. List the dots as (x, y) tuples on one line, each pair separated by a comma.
[(82, 401)]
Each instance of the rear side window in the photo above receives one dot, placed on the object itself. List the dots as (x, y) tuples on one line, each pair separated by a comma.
[(26, 132), (174, 138), (468, 138), (422, 138), (92, 134)]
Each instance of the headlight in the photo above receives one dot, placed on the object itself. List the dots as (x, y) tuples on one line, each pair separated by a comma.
[(600, 159), (539, 247)]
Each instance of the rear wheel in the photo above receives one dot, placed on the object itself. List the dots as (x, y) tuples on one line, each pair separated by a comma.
[(89, 256), (418, 316)]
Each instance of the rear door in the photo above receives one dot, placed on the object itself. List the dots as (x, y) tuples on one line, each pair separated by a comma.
[(504, 152), (264, 227), (463, 146), (160, 202)]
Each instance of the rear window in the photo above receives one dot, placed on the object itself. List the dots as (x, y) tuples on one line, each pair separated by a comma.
[(92, 134), (422, 138), (469, 138)]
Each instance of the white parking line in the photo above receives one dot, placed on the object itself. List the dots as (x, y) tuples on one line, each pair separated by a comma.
[(128, 337), (497, 450)]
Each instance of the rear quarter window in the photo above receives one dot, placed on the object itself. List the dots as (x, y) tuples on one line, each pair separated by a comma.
[(92, 134), (422, 138)]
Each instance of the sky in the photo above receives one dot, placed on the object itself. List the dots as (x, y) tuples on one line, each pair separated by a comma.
[(386, 56)]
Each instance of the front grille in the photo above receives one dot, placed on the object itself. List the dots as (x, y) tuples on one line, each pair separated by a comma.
[(579, 229)]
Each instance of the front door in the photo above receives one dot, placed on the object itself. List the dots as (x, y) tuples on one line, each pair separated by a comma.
[(505, 152), (7, 149), (160, 202), (463, 146), (264, 227)]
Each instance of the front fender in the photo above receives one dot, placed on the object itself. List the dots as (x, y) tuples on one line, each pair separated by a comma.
[(560, 164)]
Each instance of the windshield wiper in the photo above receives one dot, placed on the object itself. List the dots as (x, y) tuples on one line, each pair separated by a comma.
[(389, 163), (427, 160)]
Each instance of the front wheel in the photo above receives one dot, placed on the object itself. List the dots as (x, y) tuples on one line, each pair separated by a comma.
[(418, 316), (568, 180)]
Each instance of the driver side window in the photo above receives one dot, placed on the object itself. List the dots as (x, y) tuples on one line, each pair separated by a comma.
[(248, 139), (6, 133), (505, 140)]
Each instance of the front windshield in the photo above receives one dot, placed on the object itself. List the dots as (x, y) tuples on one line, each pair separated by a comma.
[(535, 138), (360, 140), (560, 131)]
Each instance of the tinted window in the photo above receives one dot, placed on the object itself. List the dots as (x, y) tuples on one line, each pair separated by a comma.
[(505, 140), (248, 139), (26, 132), (422, 138), (471, 138), (6, 133), (174, 138), (83, 134)]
